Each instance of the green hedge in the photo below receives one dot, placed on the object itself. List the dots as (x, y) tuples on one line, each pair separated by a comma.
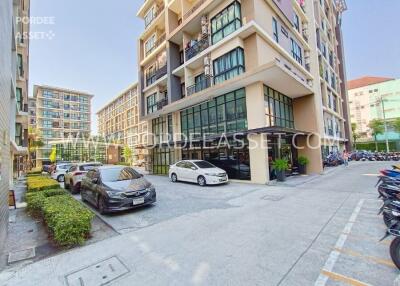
[(41, 183), (68, 220)]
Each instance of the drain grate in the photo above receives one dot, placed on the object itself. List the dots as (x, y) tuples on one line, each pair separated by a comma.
[(21, 255), (98, 274), (272, 198)]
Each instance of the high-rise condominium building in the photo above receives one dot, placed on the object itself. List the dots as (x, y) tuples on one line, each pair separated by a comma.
[(119, 120), (14, 67), (375, 98), (60, 114), (271, 70)]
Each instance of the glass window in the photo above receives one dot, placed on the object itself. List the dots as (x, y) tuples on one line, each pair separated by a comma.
[(226, 22), (296, 52), (278, 109), (229, 65), (151, 103), (275, 30)]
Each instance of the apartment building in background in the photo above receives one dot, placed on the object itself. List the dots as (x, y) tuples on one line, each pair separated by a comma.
[(268, 69), (375, 98), (13, 97), (119, 121), (61, 114)]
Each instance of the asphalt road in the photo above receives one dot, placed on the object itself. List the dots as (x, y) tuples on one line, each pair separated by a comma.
[(322, 232)]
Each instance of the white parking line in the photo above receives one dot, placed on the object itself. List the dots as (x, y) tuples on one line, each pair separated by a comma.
[(334, 255)]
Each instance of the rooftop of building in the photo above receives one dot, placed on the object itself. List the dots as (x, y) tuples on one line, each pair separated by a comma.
[(37, 87), (366, 81)]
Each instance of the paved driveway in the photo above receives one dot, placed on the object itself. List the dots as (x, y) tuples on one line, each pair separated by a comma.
[(177, 199), (322, 232)]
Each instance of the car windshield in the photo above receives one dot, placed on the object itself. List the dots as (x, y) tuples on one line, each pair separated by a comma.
[(204, 165), (119, 174), (88, 167)]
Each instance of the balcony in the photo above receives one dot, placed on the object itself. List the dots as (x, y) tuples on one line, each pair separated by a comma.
[(197, 47), (193, 9), (163, 102), (199, 86), (157, 43), (156, 75), (158, 11)]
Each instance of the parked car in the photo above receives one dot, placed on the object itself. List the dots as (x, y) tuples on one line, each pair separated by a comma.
[(197, 171), (74, 175), (116, 188), (60, 171)]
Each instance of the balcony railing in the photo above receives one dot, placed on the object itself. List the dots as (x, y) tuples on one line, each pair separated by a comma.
[(163, 102), (197, 48), (158, 11), (193, 9), (156, 75), (199, 86), (157, 43)]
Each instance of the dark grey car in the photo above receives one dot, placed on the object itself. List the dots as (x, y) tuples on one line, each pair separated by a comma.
[(116, 188)]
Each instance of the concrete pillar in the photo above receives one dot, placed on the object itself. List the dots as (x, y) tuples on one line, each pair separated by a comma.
[(259, 158)]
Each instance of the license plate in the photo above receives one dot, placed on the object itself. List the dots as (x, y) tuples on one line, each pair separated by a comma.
[(138, 201)]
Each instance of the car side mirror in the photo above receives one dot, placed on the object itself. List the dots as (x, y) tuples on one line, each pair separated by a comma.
[(193, 168), (67, 171)]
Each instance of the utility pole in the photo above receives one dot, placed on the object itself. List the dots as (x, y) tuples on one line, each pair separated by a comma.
[(382, 101)]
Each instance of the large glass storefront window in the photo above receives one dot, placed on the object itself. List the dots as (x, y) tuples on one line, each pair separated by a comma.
[(162, 158), (160, 129), (233, 157), (278, 109), (224, 114), (226, 22)]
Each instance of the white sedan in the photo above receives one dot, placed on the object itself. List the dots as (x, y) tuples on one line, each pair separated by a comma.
[(197, 171)]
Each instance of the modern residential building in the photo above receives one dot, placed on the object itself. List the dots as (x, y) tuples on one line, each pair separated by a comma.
[(119, 121), (60, 114), (271, 70), (13, 97), (19, 149), (375, 98)]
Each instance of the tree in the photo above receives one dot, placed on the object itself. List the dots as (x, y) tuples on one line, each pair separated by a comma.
[(396, 125), (356, 135), (127, 154), (377, 126), (53, 155)]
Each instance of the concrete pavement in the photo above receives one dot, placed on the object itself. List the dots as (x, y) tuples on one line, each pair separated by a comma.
[(237, 235)]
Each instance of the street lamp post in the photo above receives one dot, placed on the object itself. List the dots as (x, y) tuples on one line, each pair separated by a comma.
[(385, 124)]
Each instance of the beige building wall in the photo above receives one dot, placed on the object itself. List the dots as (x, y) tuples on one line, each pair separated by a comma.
[(119, 120)]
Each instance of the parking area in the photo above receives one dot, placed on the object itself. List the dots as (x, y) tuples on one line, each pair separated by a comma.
[(324, 231)]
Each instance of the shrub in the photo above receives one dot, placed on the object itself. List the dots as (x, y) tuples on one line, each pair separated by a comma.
[(34, 172), (281, 164), (123, 164), (41, 183), (35, 200), (67, 219), (303, 161)]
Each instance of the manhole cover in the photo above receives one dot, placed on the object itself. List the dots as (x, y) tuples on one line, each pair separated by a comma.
[(272, 198), (98, 274), (21, 255)]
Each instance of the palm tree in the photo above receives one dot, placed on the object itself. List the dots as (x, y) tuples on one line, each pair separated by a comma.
[(377, 127)]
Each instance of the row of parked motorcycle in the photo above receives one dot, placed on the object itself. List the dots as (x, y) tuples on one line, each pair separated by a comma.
[(389, 191), (335, 158)]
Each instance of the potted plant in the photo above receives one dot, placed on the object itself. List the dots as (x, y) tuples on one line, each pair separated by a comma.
[(281, 166), (303, 162)]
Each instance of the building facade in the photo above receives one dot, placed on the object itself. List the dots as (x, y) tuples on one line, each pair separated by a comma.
[(60, 114), (374, 98), (119, 121), (13, 97), (266, 69)]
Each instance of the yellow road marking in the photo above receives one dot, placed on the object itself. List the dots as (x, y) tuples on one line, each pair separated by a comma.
[(369, 239), (342, 278), (366, 257)]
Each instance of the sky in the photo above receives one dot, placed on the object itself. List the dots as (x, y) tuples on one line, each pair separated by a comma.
[(91, 45)]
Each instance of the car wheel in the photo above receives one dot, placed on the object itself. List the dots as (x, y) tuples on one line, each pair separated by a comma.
[(201, 181), (66, 186), (101, 205), (174, 178), (82, 198), (61, 178), (76, 189)]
